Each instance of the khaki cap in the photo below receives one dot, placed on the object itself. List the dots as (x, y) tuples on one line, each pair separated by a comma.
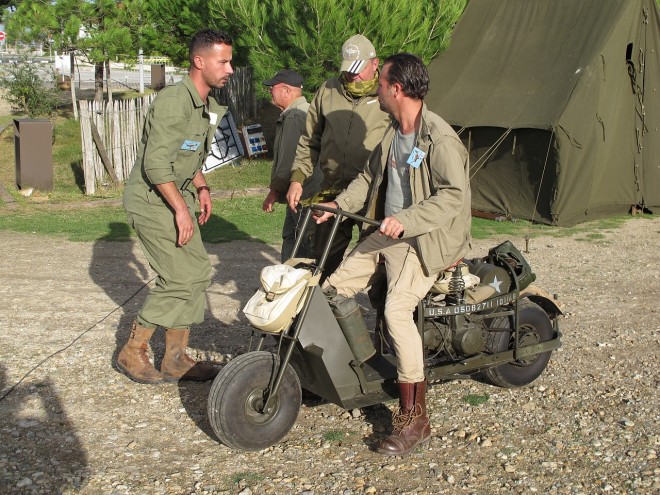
[(356, 52)]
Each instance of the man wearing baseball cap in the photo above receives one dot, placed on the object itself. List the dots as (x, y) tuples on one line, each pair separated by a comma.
[(285, 89), (344, 124)]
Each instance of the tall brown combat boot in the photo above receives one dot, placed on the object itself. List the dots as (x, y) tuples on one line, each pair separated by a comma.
[(410, 422), (133, 360), (177, 364)]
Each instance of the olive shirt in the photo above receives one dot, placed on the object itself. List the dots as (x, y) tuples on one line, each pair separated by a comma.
[(340, 132), (176, 138), (288, 129)]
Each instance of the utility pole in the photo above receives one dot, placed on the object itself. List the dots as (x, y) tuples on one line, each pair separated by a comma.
[(141, 67)]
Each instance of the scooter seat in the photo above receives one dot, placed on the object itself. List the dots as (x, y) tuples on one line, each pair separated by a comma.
[(441, 285)]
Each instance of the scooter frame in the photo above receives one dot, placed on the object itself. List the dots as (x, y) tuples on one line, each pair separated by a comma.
[(378, 365)]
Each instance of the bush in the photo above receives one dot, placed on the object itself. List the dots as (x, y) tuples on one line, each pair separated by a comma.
[(26, 91)]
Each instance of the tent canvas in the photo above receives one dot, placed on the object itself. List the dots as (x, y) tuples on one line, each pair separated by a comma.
[(558, 102)]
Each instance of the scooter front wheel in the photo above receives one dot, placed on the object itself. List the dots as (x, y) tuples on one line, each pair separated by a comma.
[(237, 397)]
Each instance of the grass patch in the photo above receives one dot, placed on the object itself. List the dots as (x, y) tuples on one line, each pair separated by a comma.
[(242, 219), (232, 220), (334, 436), (245, 476), (249, 174), (68, 179), (485, 229), (593, 237), (238, 218), (88, 224), (235, 218), (475, 400)]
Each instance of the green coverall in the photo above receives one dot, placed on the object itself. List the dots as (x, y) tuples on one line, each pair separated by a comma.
[(177, 135)]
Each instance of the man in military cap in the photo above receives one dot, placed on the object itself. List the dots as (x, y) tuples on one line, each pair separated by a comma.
[(285, 89), (344, 124)]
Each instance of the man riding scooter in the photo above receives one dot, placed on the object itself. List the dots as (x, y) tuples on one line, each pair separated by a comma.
[(417, 182)]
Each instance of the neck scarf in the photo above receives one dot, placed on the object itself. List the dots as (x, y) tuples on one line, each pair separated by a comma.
[(360, 88)]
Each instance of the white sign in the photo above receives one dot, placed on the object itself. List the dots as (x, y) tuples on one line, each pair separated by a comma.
[(226, 147)]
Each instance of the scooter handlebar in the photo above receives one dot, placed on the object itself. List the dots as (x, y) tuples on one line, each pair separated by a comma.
[(338, 212)]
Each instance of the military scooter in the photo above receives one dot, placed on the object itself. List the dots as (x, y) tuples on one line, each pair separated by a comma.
[(483, 319)]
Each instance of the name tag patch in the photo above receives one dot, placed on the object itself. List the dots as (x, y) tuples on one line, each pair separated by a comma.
[(416, 157), (189, 145)]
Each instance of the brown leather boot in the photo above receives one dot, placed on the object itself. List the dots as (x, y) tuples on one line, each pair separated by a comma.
[(411, 423), (177, 364), (133, 360)]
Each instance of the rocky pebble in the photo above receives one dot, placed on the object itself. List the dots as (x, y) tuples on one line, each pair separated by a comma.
[(71, 424)]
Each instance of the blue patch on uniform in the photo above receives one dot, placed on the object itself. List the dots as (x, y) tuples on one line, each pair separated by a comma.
[(189, 145), (416, 157)]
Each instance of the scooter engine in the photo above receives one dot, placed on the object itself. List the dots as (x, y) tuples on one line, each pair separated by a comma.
[(466, 340)]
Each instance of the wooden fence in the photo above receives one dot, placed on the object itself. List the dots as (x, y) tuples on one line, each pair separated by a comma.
[(111, 133), (110, 138)]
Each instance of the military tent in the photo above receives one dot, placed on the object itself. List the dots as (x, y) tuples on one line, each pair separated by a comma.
[(558, 102)]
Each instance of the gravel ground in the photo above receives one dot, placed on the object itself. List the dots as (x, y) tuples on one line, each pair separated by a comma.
[(72, 424)]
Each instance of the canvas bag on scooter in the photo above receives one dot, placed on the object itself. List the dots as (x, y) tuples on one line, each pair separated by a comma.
[(277, 301)]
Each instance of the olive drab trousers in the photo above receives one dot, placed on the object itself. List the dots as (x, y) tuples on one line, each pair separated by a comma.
[(406, 286), (177, 300)]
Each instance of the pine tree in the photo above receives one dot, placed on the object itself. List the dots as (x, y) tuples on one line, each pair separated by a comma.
[(307, 35), (170, 25)]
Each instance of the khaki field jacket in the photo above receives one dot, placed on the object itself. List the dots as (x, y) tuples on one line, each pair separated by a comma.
[(340, 133), (289, 127), (440, 216)]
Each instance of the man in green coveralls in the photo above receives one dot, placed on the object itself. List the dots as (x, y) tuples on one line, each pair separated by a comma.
[(159, 200)]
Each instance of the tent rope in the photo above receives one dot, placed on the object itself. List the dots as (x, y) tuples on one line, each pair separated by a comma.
[(489, 152), (538, 193)]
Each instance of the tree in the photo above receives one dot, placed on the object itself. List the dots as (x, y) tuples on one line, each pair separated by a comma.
[(6, 4), (106, 37), (170, 25), (307, 35), (99, 30), (32, 23)]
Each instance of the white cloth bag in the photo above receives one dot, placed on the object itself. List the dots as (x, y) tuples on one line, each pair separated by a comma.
[(276, 303)]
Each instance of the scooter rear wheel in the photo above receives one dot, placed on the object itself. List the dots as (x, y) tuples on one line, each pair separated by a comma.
[(534, 327), (236, 400)]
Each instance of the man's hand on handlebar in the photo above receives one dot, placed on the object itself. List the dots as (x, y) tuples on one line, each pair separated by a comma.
[(323, 216), (391, 227), (293, 195)]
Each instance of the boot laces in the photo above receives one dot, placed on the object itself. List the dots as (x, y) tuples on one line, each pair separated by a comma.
[(403, 419)]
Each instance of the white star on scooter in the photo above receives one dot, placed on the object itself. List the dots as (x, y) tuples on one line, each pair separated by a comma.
[(495, 284)]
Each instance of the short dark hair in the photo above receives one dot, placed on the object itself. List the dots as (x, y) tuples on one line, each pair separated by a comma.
[(410, 72), (206, 38)]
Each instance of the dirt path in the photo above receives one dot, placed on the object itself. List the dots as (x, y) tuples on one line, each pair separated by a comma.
[(72, 424)]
